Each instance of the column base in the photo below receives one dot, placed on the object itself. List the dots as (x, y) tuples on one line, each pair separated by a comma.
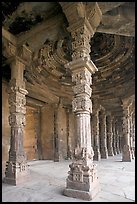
[(81, 194), (104, 153), (126, 154), (16, 173), (82, 181)]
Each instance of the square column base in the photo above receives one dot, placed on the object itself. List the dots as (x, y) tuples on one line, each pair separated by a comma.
[(81, 194), (16, 174)]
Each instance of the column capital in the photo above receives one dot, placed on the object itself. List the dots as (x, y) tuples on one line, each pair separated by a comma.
[(82, 63)]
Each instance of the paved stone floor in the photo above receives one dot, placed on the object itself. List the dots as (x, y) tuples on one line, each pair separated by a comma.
[(48, 180)]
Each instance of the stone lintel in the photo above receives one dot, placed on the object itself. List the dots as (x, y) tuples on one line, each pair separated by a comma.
[(82, 63)]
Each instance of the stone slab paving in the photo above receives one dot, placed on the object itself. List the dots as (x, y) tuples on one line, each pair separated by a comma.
[(48, 180)]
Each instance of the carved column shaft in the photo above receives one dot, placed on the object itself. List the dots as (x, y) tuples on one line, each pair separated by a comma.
[(126, 152), (82, 177), (95, 125), (119, 127), (133, 132), (131, 135), (110, 135), (103, 136), (114, 136), (17, 167), (117, 138)]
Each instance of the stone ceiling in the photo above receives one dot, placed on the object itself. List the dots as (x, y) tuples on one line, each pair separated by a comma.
[(112, 50)]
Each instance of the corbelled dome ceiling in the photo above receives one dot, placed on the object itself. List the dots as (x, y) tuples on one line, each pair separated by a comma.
[(112, 50)]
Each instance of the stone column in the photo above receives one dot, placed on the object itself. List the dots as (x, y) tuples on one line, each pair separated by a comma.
[(114, 135), (103, 136), (133, 132), (131, 135), (119, 127), (117, 138), (82, 181), (126, 152), (110, 135), (17, 168), (95, 127), (69, 151)]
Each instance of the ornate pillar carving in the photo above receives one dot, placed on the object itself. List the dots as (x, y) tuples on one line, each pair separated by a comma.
[(95, 127), (110, 135), (82, 181), (103, 138), (17, 168), (126, 151)]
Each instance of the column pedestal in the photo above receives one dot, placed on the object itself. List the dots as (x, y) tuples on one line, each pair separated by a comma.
[(82, 181), (16, 173)]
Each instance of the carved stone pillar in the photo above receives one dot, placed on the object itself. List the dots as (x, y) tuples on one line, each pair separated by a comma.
[(133, 132), (82, 181), (120, 133), (110, 135), (131, 135), (126, 151), (117, 138), (17, 168), (95, 127), (103, 136), (114, 136)]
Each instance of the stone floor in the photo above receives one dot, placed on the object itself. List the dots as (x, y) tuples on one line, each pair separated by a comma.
[(48, 180)]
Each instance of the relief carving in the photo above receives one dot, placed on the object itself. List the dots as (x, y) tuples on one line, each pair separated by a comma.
[(82, 88), (83, 153), (80, 41), (82, 76), (81, 104)]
